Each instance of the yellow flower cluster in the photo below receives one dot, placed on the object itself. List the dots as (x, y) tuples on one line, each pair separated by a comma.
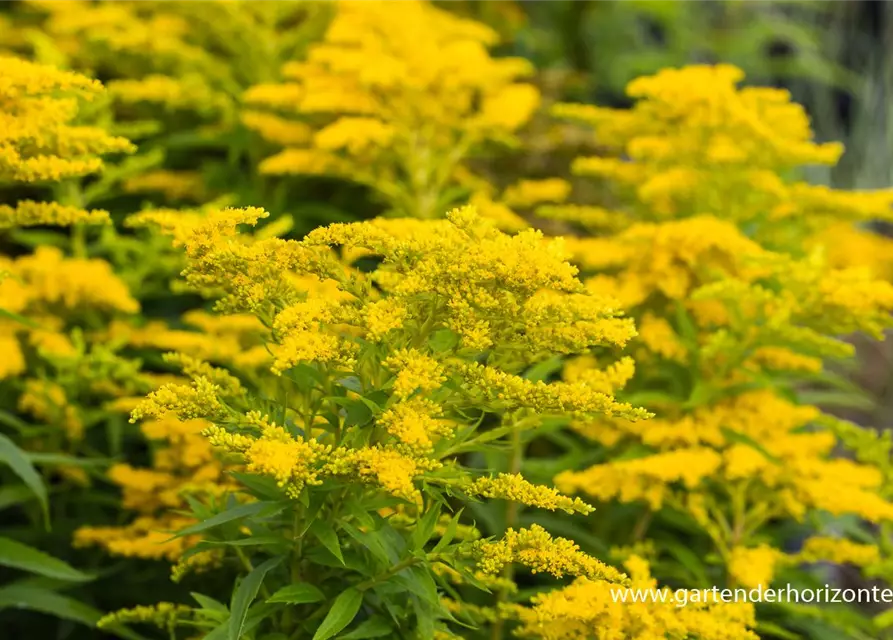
[(753, 567), (733, 271), (535, 549), (163, 615), (176, 55), (183, 464), (37, 140), (697, 143), (27, 213), (514, 488), (588, 607), (404, 97)]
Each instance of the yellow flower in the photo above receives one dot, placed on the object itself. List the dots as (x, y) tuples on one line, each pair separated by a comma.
[(838, 550), (401, 100), (514, 488), (415, 371), (37, 142), (415, 422), (753, 567), (535, 549)]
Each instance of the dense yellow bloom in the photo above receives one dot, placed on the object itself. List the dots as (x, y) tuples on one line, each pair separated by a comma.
[(405, 96), (48, 402), (535, 549), (516, 489), (292, 462), (415, 422), (183, 463), (27, 213), (588, 606), (54, 282), (699, 144), (846, 245), (838, 550), (645, 478), (753, 567), (607, 380), (389, 468), (575, 398), (37, 141), (176, 54), (415, 371), (527, 193)]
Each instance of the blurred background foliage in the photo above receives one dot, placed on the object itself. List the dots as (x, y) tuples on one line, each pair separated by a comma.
[(833, 57)]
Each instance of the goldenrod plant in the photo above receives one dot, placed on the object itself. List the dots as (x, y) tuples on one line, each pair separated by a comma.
[(714, 246), (230, 410), (396, 101)]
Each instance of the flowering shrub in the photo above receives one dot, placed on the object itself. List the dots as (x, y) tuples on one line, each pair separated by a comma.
[(397, 101), (403, 427), (716, 254), (350, 434)]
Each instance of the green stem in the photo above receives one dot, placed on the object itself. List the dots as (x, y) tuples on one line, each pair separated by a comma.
[(511, 519)]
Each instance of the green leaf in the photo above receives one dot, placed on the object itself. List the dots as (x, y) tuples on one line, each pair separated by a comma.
[(884, 619), (374, 627), (11, 315), (689, 560), (22, 467), (245, 595), (358, 413), (70, 461), (325, 533), (424, 528), (20, 556), (448, 534), (443, 340), (342, 613), (14, 422), (543, 370), (370, 540), (300, 593), (49, 602), (838, 400), (209, 604), (236, 513), (772, 630), (262, 487), (17, 494)]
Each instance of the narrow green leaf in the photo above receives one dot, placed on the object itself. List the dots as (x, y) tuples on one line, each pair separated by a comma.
[(424, 528), (245, 595), (70, 461), (772, 630), (342, 613), (20, 556), (49, 602), (22, 467), (14, 422), (17, 494), (370, 540), (209, 604), (15, 317), (236, 513), (300, 593), (448, 534), (884, 619), (374, 627), (325, 533), (544, 369)]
